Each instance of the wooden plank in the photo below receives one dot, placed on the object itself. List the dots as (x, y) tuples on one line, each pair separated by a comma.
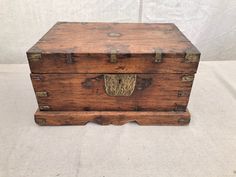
[(57, 118), (85, 92)]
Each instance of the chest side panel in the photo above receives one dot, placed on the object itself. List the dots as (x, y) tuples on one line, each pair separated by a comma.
[(86, 92)]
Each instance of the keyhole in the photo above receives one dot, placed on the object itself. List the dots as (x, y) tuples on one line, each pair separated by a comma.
[(119, 81)]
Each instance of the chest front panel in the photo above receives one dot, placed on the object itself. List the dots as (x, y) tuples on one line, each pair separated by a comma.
[(88, 92)]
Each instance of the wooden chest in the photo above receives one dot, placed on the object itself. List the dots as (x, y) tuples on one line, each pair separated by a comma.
[(113, 73)]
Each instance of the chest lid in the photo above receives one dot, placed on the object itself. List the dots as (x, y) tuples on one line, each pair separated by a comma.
[(73, 47)]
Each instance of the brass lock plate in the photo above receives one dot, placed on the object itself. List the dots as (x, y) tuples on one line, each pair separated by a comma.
[(119, 84)]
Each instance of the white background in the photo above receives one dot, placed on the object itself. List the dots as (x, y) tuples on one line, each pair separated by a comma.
[(209, 24)]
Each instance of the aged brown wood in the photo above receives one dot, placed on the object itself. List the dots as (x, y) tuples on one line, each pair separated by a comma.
[(69, 63), (87, 48), (85, 92), (100, 64), (111, 117)]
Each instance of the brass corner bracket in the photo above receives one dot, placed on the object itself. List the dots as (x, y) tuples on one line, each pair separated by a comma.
[(41, 94), (187, 78), (34, 56), (191, 56)]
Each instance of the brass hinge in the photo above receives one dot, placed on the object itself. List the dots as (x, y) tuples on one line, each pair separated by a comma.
[(113, 56), (69, 58), (34, 56), (41, 94), (158, 55), (187, 78), (44, 108)]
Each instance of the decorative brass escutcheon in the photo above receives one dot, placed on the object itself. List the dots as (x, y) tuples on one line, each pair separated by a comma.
[(119, 84)]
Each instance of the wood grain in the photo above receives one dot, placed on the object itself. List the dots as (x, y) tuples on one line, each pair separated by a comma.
[(101, 64), (111, 117), (77, 92), (94, 38), (69, 62), (89, 46)]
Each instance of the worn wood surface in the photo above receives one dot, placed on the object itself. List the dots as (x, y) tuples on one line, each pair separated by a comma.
[(74, 92), (86, 48), (101, 64), (111, 117), (68, 66)]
